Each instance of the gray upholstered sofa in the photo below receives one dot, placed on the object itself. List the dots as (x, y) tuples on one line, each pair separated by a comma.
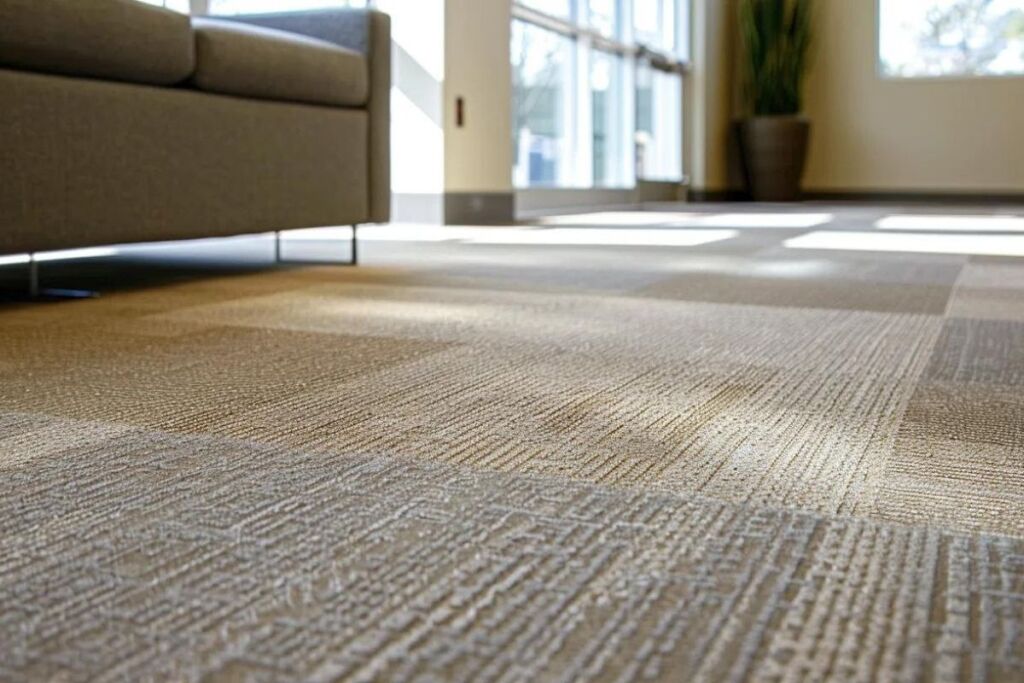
[(123, 122)]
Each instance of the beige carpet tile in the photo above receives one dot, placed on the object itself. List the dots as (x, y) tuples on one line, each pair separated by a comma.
[(183, 382), (616, 390), (620, 327), (940, 482), (740, 432), (156, 556), (970, 414), (628, 391)]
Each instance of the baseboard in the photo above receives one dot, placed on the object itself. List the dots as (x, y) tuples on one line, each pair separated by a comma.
[(876, 197), (479, 208), (454, 208), (714, 196), (916, 197)]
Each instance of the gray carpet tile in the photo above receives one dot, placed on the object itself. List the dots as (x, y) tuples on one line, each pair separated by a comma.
[(847, 282), (993, 291), (149, 555), (979, 352), (804, 293)]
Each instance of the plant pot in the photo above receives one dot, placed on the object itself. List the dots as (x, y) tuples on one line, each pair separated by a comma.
[(774, 152)]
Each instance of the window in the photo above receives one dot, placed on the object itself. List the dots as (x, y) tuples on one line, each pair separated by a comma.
[(604, 17), (555, 8), (542, 63), (611, 162), (578, 95), (951, 38), (659, 130), (658, 25)]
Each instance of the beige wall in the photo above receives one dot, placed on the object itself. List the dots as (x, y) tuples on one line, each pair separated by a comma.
[(870, 133), (478, 156), (710, 91)]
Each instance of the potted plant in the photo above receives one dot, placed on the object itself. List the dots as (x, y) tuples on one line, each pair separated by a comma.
[(776, 36)]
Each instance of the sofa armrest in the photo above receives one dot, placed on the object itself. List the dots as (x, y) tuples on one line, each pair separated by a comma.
[(367, 32)]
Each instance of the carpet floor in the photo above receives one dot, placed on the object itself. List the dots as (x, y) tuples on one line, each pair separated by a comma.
[(691, 444)]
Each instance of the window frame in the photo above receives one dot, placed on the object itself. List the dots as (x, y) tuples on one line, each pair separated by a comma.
[(587, 39)]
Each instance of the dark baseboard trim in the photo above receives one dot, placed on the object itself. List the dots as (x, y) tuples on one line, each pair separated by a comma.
[(876, 197), (479, 208), (714, 196), (915, 197)]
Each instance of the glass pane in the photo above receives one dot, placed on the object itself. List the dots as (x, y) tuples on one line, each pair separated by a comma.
[(556, 8), (951, 37), (656, 23), (604, 16), (646, 20), (659, 126), (542, 63), (255, 6), (609, 122), (683, 30)]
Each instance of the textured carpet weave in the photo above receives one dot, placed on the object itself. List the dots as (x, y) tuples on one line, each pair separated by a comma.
[(528, 462)]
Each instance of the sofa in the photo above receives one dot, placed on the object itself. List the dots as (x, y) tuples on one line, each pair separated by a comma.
[(124, 122)]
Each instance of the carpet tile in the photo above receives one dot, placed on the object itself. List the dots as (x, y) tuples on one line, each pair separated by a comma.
[(534, 453)]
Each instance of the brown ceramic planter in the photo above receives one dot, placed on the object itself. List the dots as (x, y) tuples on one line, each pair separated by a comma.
[(774, 155)]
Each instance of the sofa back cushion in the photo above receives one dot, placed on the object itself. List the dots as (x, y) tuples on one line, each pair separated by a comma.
[(123, 40), (249, 61)]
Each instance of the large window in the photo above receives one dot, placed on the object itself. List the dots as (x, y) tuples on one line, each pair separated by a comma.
[(554, 8), (598, 91), (609, 101), (923, 38), (604, 17), (659, 131), (542, 114)]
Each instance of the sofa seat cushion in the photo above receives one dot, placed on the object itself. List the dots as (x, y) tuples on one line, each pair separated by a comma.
[(122, 40), (249, 61)]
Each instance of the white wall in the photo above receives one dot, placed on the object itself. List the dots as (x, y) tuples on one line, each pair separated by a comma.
[(870, 133), (417, 96)]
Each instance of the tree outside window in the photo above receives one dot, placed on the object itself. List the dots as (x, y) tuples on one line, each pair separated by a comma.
[(951, 37)]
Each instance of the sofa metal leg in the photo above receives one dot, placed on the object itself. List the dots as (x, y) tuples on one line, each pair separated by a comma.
[(37, 293), (353, 245), (33, 276)]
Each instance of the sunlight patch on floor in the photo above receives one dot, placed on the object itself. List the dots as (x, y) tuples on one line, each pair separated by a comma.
[(627, 237), (952, 223), (693, 219), (980, 245)]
